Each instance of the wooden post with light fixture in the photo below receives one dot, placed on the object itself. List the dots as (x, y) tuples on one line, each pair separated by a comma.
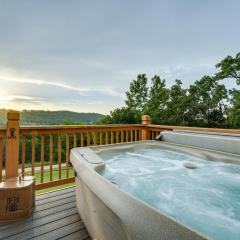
[(12, 144), (145, 132)]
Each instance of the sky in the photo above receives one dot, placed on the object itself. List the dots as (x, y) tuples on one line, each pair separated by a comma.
[(82, 55)]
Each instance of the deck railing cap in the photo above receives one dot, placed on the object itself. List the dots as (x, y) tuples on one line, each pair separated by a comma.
[(13, 115), (146, 119)]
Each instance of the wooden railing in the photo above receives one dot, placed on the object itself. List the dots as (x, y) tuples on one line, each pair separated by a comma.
[(58, 140), (43, 151)]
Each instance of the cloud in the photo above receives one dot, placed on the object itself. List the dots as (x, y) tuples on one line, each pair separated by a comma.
[(13, 98), (75, 55), (95, 103), (82, 91)]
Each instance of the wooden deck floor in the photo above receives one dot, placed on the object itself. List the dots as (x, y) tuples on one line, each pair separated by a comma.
[(55, 217)]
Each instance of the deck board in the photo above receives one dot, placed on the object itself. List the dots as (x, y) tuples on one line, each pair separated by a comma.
[(54, 204), (82, 234), (55, 193), (55, 217), (55, 198)]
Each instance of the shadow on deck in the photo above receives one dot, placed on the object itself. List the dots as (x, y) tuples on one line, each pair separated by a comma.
[(55, 217)]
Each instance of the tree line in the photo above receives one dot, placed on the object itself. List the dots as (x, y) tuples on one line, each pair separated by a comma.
[(206, 103), (42, 117)]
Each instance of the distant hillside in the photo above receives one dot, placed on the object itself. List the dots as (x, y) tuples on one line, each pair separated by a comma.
[(39, 117)]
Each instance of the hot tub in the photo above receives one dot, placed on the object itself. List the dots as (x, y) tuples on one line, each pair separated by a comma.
[(160, 189)]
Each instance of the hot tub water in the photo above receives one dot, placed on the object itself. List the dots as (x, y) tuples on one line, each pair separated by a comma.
[(202, 194)]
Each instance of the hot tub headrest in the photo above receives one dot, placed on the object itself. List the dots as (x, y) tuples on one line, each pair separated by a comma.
[(209, 133), (226, 142)]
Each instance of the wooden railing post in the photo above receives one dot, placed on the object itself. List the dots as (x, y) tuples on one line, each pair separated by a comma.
[(12, 144), (145, 121)]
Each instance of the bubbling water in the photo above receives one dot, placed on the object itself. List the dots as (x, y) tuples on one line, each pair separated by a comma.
[(205, 195)]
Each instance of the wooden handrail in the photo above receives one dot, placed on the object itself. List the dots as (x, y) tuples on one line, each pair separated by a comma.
[(77, 126), (25, 130)]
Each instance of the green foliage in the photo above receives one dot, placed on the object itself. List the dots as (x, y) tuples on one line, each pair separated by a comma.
[(122, 115), (229, 68), (3, 117), (68, 122), (158, 97), (39, 117), (177, 105), (136, 101), (205, 103), (138, 93), (234, 112)]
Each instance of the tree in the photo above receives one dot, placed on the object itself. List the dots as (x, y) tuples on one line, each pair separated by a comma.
[(157, 101), (229, 68), (234, 112), (122, 115), (177, 104), (207, 103), (138, 93), (204, 103)]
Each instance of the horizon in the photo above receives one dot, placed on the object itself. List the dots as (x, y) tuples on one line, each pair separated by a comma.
[(82, 56), (42, 110)]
